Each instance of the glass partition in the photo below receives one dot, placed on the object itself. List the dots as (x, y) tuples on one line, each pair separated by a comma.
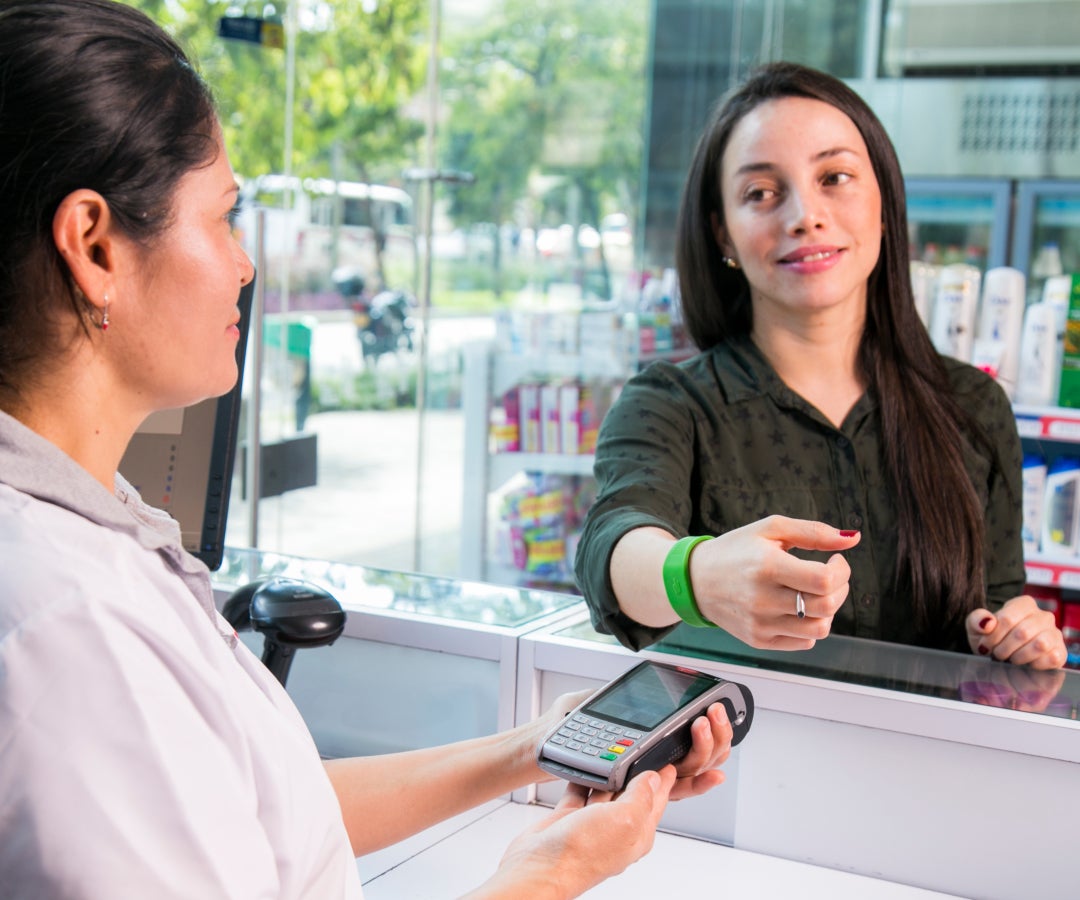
[(898, 667), (535, 171)]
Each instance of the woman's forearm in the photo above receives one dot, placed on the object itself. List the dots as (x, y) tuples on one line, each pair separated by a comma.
[(637, 564)]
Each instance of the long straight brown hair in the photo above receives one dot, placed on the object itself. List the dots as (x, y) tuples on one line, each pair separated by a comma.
[(940, 553)]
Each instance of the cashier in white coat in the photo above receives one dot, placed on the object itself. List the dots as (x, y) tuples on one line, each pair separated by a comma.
[(144, 751)]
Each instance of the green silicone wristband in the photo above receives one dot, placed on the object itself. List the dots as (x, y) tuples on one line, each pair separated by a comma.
[(677, 581)]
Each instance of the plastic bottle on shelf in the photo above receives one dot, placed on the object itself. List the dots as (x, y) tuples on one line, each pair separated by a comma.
[(1061, 517), (924, 277), (1033, 495), (1047, 264), (952, 328), (1001, 323), (1040, 355)]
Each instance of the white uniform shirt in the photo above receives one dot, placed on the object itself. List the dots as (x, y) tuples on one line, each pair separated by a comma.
[(144, 751)]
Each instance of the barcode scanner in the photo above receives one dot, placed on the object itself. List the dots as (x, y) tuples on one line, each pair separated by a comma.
[(290, 614)]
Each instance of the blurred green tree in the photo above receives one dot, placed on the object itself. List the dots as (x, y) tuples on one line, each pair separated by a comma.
[(546, 109)]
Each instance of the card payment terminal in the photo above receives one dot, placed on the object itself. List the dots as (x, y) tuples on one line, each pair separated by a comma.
[(639, 722)]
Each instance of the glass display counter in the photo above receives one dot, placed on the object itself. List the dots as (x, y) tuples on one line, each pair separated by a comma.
[(942, 771), (937, 770), (423, 660)]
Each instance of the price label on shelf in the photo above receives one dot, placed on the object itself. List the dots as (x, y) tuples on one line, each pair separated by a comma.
[(1062, 429), (1069, 578), (1029, 426), (1039, 575)]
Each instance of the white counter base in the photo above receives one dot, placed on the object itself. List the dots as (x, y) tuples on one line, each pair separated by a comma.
[(451, 859)]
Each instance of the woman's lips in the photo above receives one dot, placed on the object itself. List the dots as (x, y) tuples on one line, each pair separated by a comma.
[(812, 258)]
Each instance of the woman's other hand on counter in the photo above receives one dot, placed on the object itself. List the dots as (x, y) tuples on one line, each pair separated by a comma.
[(1020, 632)]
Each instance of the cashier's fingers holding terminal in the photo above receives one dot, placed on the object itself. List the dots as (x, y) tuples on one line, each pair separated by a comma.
[(650, 717), (1020, 632)]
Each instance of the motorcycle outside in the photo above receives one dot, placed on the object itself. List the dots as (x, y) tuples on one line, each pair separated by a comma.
[(384, 322)]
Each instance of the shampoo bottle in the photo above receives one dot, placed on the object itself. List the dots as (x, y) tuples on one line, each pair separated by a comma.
[(1061, 505), (923, 284), (1033, 494), (1040, 355), (1001, 322), (952, 328)]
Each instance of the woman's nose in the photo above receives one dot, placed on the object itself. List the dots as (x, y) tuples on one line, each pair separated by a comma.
[(805, 211)]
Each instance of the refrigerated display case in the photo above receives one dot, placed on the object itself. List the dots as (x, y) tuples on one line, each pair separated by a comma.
[(1046, 231), (958, 220)]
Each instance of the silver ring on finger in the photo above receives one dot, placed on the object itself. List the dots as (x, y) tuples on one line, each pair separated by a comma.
[(800, 605)]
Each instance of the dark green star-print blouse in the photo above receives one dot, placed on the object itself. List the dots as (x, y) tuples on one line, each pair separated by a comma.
[(719, 441)]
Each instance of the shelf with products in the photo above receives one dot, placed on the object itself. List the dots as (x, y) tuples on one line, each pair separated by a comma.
[(533, 401), (1049, 433)]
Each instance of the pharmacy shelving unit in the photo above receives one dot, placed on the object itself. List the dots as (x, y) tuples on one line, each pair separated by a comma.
[(489, 374), (1056, 426)]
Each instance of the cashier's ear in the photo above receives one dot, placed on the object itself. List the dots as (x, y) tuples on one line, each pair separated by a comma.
[(84, 237)]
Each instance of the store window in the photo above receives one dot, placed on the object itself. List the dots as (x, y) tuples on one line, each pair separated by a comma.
[(519, 198), (383, 258)]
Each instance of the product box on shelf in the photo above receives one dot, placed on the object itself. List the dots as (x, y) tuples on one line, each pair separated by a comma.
[(529, 414), (506, 423), (562, 416), (1069, 390), (537, 524)]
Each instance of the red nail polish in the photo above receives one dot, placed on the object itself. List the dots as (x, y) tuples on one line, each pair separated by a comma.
[(983, 650), (848, 533), (986, 620)]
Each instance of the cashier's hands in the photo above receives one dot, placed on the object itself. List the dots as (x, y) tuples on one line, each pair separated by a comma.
[(588, 837), (592, 835), (696, 772), (1020, 632)]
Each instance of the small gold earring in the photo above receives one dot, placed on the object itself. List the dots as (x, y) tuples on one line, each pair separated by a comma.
[(730, 262)]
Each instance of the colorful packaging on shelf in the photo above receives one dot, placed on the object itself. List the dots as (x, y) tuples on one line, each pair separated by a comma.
[(1069, 389), (529, 416), (570, 394), (550, 432), (506, 424), (538, 525), (1070, 629)]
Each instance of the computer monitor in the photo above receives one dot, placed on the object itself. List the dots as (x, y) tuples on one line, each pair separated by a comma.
[(181, 460)]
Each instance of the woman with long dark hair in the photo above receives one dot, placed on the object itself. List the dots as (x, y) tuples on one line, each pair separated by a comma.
[(818, 398)]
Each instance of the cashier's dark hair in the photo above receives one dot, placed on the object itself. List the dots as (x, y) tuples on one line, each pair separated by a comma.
[(940, 552), (93, 95)]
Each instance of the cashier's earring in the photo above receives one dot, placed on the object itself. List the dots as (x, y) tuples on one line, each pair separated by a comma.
[(104, 323), (730, 263)]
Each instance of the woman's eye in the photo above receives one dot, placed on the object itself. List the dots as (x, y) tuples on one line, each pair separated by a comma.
[(233, 214), (758, 194), (838, 178)]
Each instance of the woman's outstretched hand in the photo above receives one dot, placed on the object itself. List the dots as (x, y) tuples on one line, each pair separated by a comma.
[(748, 583)]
